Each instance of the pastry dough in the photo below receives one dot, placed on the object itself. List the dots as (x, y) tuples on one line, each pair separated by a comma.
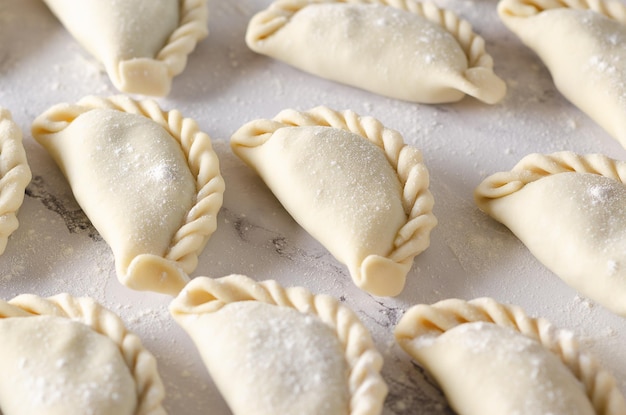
[(142, 44), (568, 209), (274, 350), (492, 359), (148, 180), (15, 175), (67, 355), (353, 184), (402, 49), (581, 43)]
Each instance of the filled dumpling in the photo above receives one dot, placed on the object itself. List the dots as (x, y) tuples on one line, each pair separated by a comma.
[(353, 184), (406, 50), (274, 350), (148, 180)]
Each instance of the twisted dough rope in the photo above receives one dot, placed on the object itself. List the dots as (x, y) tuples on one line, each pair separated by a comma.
[(201, 220), (417, 200), (537, 166), (15, 175), (277, 15), (528, 8), (140, 362), (432, 320), (367, 388)]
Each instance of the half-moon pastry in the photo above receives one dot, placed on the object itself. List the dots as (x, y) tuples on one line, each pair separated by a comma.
[(15, 175), (568, 209), (353, 184), (67, 355), (274, 350), (148, 180), (492, 359), (405, 50), (582, 45), (142, 44)]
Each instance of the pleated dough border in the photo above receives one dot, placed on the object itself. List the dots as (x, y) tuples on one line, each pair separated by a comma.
[(201, 220), (537, 166), (277, 15), (417, 200), (367, 388), (15, 174), (433, 320), (527, 8), (141, 363)]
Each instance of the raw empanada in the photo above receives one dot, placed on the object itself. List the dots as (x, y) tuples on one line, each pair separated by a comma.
[(406, 50), (142, 44), (274, 350), (67, 355), (568, 210), (582, 44), (14, 176), (492, 359), (148, 180), (353, 184)]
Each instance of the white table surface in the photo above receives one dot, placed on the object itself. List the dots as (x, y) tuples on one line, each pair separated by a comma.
[(225, 85)]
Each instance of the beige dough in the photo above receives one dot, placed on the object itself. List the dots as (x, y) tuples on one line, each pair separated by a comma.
[(581, 43), (568, 210), (274, 350), (351, 183), (142, 44), (150, 186), (406, 50)]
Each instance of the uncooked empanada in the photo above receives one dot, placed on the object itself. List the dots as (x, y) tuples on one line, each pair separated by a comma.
[(582, 45), (274, 350), (148, 180), (142, 44), (568, 210), (406, 50), (67, 355), (353, 184), (14, 176), (492, 359)]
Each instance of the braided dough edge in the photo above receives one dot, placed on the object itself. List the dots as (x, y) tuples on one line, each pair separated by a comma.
[(528, 8), (432, 320), (201, 220), (367, 388), (15, 175), (140, 361)]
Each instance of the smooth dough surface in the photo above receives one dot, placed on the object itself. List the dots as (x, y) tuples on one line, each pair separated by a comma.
[(485, 369), (584, 52), (54, 365), (376, 47), (268, 359)]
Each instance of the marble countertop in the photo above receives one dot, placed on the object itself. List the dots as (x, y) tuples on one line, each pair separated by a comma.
[(225, 85)]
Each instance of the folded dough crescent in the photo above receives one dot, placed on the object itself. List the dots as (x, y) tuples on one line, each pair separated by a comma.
[(142, 44), (582, 45), (275, 350), (568, 209), (70, 355), (15, 175), (493, 359), (148, 180), (406, 50), (353, 184)]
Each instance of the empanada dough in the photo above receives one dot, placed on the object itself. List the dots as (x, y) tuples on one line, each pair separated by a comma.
[(148, 180), (568, 210), (15, 175), (406, 50), (582, 44), (66, 355), (492, 359), (351, 183), (142, 44), (274, 350)]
